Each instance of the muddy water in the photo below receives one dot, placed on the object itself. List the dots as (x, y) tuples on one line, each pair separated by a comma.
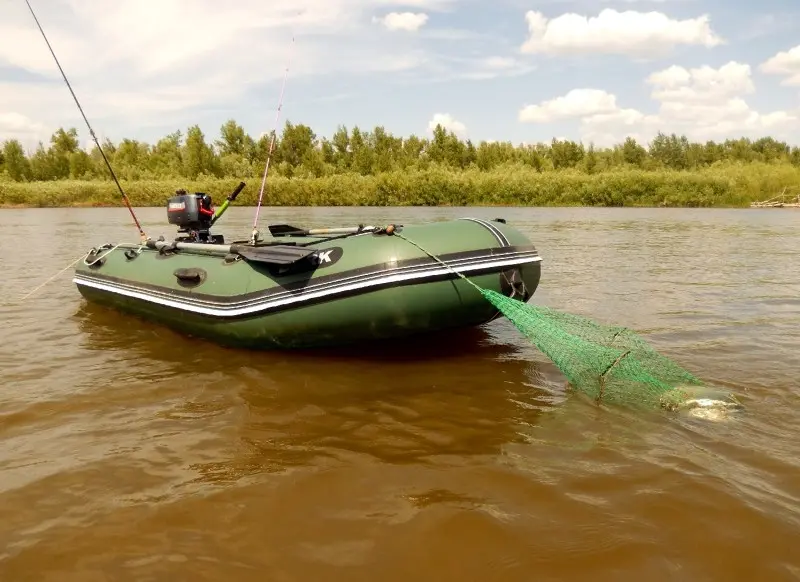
[(128, 452)]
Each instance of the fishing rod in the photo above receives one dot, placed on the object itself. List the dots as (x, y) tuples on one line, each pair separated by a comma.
[(91, 131), (254, 235)]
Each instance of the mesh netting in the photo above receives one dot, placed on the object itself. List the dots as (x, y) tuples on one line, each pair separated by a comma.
[(610, 364)]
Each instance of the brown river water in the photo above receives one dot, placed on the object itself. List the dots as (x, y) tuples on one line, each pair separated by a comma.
[(129, 452)]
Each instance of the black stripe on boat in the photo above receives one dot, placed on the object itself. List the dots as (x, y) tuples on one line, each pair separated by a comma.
[(341, 285), (331, 281)]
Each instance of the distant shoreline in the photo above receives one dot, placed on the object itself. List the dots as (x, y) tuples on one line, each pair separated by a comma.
[(121, 204), (722, 186)]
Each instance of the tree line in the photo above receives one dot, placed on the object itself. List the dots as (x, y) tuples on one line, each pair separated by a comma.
[(300, 153)]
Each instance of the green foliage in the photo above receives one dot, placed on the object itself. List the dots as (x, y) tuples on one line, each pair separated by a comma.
[(374, 167), (511, 184), (14, 163)]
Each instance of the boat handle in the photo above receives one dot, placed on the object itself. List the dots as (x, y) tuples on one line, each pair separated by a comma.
[(190, 275)]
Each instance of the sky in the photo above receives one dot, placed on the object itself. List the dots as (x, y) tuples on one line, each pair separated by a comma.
[(526, 71)]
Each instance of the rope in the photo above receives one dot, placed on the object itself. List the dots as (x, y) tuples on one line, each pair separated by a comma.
[(438, 260), (72, 264), (24, 297), (115, 247)]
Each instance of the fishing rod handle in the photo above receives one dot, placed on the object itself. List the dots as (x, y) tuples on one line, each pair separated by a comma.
[(235, 193)]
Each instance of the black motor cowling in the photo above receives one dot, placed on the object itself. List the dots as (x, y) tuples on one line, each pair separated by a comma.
[(192, 213)]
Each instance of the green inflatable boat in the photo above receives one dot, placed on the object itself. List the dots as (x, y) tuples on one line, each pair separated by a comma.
[(304, 288)]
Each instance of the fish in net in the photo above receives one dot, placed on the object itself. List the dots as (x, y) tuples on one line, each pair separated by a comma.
[(611, 364)]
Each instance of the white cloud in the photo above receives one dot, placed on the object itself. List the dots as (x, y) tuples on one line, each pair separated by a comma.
[(454, 34), (629, 33), (703, 84), (499, 62), (87, 34), (437, 5), (785, 63), (408, 21), (645, 1), (706, 97), (141, 70), (576, 103), (448, 122), (477, 69), (702, 103), (16, 125)]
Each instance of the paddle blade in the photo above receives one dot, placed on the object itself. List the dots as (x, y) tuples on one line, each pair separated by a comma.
[(273, 254), (285, 229)]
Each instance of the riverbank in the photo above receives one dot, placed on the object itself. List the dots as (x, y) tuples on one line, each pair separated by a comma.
[(719, 186)]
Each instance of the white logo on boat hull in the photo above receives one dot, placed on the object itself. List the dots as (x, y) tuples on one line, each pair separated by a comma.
[(324, 256)]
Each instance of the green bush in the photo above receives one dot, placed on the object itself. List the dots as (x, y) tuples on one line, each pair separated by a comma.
[(733, 185)]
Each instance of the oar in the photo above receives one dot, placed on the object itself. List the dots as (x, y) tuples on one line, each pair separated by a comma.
[(288, 230), (272, 254)]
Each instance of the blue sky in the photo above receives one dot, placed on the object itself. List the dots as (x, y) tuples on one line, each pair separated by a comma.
[(519, 70)]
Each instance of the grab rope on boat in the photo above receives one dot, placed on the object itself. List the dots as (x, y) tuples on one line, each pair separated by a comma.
[(104, 255), (610, 364)]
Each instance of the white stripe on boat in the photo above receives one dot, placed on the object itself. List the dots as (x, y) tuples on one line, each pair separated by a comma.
[(267, 304), (332, 285), (498, 234)]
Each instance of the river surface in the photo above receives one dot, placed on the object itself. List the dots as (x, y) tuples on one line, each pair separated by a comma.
[(129, 452)]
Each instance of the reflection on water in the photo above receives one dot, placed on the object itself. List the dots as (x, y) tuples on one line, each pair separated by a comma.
[(395, 401), (130, 452)]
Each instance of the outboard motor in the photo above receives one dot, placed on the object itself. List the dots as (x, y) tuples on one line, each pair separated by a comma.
[(194, 215)]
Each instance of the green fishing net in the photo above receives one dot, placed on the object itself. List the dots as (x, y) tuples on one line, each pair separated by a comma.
[(610, 364)]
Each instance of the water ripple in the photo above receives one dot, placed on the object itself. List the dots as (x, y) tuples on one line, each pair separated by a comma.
[(129, 452)]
